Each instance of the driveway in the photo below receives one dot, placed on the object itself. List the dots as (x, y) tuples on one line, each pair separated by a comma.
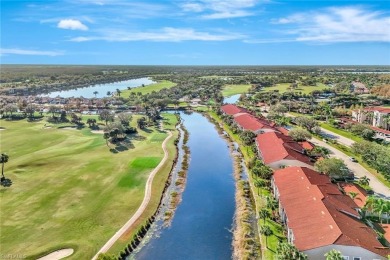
[(379, 188)]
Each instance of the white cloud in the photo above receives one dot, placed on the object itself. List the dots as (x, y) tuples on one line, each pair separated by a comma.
[(216, 9), (72, 24), (338, 24), (30, 52), (167, 34)]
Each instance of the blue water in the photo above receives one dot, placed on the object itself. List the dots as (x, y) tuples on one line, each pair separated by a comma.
[(201, 225), (102, 89), (232, 100)]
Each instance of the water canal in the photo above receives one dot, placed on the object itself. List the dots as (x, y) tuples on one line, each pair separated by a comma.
[(201, 227)]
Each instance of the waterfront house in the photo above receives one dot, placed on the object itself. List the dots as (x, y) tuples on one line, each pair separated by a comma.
[(319, 217)]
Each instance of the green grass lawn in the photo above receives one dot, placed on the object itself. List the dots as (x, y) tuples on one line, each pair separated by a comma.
[(69, 189), (341, 132), (283, 87), (230, 90), (149, 88)]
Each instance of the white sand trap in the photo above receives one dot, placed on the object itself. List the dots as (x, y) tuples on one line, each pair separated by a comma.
[(97, 131), (59, 254), (1, 129), (69, 128)]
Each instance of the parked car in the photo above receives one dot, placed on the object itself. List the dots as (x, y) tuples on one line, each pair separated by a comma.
[(353, 159)]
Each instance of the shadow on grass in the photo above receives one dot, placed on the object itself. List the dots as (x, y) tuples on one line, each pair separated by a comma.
[(146, 130), (5, 182)]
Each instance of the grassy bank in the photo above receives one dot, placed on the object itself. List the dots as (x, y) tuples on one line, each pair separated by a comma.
[(149, 88), (69, 189), (230, 90)]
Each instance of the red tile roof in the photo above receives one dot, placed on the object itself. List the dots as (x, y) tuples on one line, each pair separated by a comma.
[(282, 130), (361, 198), (307, 145), (384, 110), (274, 147), (249, 122), (319, 214), (232, 109)]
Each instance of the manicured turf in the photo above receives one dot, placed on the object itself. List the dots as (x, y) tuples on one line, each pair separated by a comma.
[(230, 90), (69, 189), (149, 88), (341, 132), (284, 87)]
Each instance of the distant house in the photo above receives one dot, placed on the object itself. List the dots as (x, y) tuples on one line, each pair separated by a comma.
[(359, 88), (319, 217), (277, 150), (375, 116), (248, 122)]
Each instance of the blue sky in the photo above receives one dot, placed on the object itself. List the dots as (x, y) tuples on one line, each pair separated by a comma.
[(197, 32)]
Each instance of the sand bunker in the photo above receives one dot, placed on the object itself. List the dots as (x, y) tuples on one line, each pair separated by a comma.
[(59, 254)]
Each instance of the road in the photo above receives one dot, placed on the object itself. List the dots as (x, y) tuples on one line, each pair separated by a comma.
[(340, 139), (142, 207), (379, 188)]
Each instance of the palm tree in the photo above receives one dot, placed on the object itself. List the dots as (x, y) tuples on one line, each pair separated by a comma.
[(3, 159), (379, 207), (263, 214), (118, 92), (334, 255), (353, 194), (259, 183), (364, 181), (266, 231), (95, 93)]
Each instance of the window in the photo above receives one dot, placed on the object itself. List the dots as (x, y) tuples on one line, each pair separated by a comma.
[(357, 258), (345, 257)]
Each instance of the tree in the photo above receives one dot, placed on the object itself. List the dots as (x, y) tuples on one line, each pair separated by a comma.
[(353, 195), (10, 108), (266, 231), (364, 181), (124, 118), (141, 122), (368, 134), (260, 183), (299, 134), (306, 122), (118, 92), (106, 136), (334, 255), (263, 214), (3, 159), (30, 109), (333, 167), (106, 116), (247, 137), (91, 122), (286, 251), (106, 256), (95, 93)]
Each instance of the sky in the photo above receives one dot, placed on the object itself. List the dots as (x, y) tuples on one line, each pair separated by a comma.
[(195, 32)]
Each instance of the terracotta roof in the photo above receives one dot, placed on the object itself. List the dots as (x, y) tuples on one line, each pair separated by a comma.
[(232, 109), (384, 110), (282, 130), (249, 122), (380, 130), (307, 145), (275, 147), (361, 198), (319, 214), (386, 228)]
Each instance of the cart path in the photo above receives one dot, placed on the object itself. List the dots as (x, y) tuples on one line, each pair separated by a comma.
[(142, 207)]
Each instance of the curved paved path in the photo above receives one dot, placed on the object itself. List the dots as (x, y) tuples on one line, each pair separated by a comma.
[(142, 207), (378, 187)]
